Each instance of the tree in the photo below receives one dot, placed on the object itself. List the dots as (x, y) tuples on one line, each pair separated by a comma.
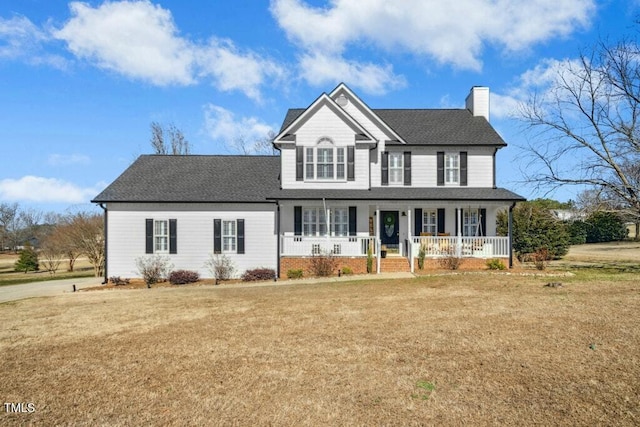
[(8, 215), (534, 228), (588, 126), (28, 260), (86, 232), (605, 227), (175, 144)]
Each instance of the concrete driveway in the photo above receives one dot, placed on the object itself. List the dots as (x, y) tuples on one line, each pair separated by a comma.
[(47, 288)]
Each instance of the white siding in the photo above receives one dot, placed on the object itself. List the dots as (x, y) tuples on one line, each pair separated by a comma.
[(126, 235)]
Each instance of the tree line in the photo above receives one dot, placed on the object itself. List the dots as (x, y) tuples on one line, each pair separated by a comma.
[(51, 239)]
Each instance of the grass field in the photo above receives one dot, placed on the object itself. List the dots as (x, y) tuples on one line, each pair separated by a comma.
[(476, 349), (8, 275)]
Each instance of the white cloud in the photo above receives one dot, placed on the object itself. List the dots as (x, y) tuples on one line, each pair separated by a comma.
[(140, 40), (46, 190), (242, 135), (320, 69), (453, 33), (68, 159), (22, 39)]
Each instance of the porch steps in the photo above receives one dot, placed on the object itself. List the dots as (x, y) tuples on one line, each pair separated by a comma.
[(394, 264)]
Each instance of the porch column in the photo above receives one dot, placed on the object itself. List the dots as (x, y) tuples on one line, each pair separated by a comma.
[(410, 237), (459, 236), (377, 239)]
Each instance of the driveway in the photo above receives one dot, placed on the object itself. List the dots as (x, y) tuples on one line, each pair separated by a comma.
[(46, 289)]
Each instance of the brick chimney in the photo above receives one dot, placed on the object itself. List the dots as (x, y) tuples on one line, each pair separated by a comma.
[(478, 101)]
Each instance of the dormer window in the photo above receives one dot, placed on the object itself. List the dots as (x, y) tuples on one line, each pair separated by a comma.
[(325, 161)]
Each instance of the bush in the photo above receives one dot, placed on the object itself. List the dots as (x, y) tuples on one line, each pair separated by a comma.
[(221, 267), (258, 274), (369, 260), (422, 253), (295, 273), (495, 264), (450, 262), (117, 280), (541, 258), (605, 227), (28, 260), (323, 265), (154, 269), (577, 232), (182, 277), (347, 271)]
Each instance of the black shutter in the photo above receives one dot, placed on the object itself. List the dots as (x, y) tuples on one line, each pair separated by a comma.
[(417, 222), (217, 236), (483, 222), (351, 171), (240, 230), (407, 168), (463, 168), (353, 220), (385, 168), (297, 220), (149, 236), (440, 161), (441, 220), (299, 163), (173, 236)]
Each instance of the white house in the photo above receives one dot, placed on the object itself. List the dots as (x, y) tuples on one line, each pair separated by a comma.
[(350, 180)]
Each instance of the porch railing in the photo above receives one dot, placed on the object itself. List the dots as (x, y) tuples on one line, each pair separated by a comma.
[(464, 247), (338, 246)]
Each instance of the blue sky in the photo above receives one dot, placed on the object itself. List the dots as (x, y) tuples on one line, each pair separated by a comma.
[(81, 82)]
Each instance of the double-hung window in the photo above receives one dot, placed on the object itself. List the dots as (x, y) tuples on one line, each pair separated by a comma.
[(325, 161), (452, 168), (470, 222), (430, 221), (396, 168), (229, 236), (161, 236), (314, 222)]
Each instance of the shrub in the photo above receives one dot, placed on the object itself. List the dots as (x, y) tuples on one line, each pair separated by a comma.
[(422, 253), (323, 264), (541, 258), (451, 261), (221, 267), (259, 274), (577, 230), (347, 271), (28, 260), (295, 273), (495, 264), (369, 260), (154, 269), (117, 280), (182, 277), (605, 227)]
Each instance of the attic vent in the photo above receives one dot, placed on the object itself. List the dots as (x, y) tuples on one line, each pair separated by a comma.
[(342, 100)]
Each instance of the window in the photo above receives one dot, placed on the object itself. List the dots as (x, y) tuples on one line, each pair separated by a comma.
[(228, 236), (161, 236), (325, 162), (452, 168), (309, 163), (430, 221), (395, 168), (314, 222), (470, 222)]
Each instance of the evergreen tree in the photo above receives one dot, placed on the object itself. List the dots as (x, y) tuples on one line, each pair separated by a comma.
[(28, 260)]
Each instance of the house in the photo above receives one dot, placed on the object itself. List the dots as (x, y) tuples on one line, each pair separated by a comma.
[(350, 180)]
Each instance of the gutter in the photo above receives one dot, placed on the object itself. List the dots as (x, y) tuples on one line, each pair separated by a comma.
[(510, 232)]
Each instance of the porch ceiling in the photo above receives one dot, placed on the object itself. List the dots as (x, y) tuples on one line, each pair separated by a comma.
[(403, 193)]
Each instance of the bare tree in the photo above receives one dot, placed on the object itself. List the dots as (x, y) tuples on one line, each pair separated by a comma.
[(8, 215), (263, 146), (175, 143), (86, 231), (587, 124)]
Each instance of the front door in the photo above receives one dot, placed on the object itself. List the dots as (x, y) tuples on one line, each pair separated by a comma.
[(389, 228)]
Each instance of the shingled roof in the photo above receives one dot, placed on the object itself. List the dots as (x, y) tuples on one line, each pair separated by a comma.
[(430, 126), (195, 179)]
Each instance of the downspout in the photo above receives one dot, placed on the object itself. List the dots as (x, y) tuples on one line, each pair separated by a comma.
[(277, 240), (510, 232), (106, 240)]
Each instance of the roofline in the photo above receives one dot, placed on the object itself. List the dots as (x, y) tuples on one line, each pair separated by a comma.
[(185, 202)]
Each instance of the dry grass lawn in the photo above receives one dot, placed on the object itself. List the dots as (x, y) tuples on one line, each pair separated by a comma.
[(468, 349)]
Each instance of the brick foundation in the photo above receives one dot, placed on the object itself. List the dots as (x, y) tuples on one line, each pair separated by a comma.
[(466, 264), (357, 264)]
